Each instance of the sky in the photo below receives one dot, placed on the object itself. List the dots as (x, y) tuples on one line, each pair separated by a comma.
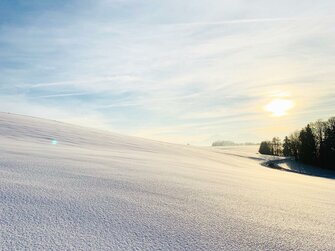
[(178, 71)]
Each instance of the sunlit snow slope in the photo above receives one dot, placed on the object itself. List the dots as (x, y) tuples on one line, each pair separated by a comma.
[(95, 190)]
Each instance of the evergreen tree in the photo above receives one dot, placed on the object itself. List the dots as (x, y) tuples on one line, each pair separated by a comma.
[(329, 144), (314, 144), (307, 150)]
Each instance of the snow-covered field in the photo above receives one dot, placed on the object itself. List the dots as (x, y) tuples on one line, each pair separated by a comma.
[(99, 191)]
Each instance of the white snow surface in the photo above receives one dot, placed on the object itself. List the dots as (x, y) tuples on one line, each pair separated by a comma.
[(100, 191)]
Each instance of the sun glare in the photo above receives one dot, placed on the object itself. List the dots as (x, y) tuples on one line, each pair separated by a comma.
[(279, 107)]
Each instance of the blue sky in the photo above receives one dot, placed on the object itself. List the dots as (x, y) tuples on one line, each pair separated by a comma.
[(179, 71)]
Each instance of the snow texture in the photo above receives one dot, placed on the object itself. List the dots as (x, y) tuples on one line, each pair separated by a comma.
[(63, 187)]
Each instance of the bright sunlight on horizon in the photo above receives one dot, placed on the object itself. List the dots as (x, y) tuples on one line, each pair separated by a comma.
[(279, 107)]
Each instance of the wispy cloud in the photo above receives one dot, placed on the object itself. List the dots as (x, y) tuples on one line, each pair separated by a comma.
[(64, 95), (187, 69), (239, 21)]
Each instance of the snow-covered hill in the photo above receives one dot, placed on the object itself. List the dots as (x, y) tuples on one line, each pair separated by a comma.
[(65, 187)]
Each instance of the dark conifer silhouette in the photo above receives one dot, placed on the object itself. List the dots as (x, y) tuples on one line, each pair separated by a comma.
[(314, 144), (329, 144), (307, 149)]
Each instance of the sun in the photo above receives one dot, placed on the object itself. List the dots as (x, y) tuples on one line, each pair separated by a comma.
[(279, 107)]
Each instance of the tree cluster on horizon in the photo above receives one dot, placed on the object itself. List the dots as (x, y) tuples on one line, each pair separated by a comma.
[(313, 144), (231, 143)]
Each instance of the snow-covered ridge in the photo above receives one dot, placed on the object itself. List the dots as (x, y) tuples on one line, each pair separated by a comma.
[(40, 130), (95, 190)]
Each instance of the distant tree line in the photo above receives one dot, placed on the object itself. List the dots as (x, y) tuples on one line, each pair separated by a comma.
[(231, 143), (313, 144)]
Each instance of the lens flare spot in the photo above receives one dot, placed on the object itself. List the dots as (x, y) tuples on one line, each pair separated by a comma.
[(54, 142)]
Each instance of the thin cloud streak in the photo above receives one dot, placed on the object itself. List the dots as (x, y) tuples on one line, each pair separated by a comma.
[(240, 21), (64, 95)]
